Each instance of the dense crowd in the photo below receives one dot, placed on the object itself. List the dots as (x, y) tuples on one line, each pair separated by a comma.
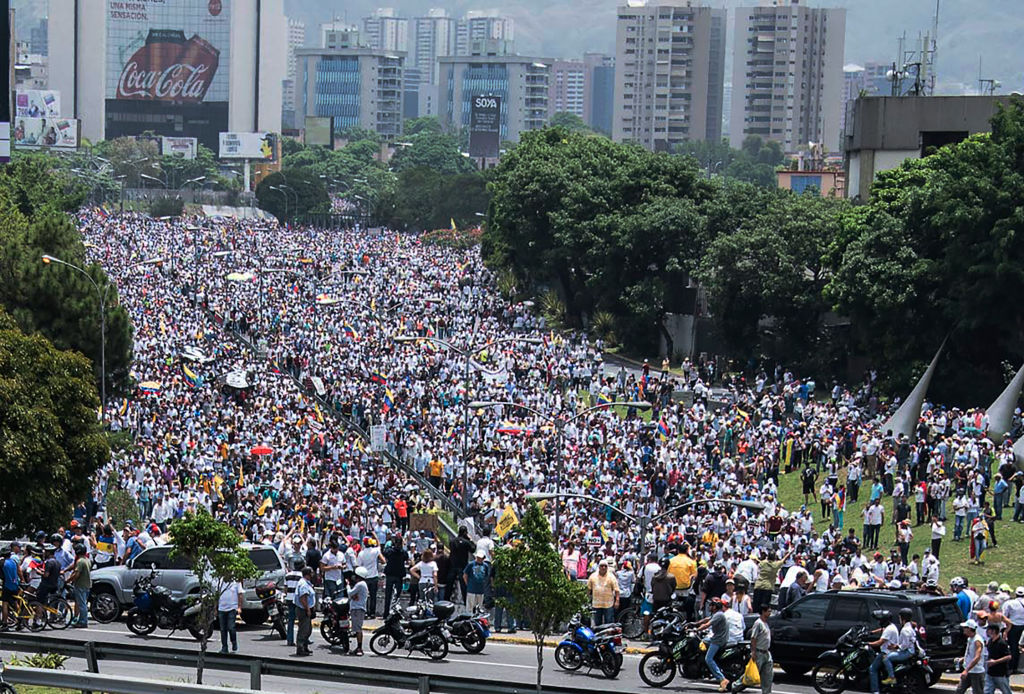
[(385, 329)]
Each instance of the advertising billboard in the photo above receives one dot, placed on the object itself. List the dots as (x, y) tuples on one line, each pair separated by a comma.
[(37, 103), (167, 67), (318, 131), (484, 126), (38, 133), (181, 147), (248, 146)]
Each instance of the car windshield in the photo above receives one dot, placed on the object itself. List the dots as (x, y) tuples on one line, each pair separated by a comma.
[(265, 559), (940, 614)]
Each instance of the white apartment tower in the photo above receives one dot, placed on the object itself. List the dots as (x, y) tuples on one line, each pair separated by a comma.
[(433, 38), (788, 75), (482, 24), (669, 73), (384, 30), (296, 40)]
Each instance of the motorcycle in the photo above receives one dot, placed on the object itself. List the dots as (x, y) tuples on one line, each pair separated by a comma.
[(680, 649), (838, 669), (155, 607), (270, 597), (336, 624), (401, 630), (596, 648), (469, 631)]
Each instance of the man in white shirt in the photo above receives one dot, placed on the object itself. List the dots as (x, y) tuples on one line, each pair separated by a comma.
[(369, 558), (888, 644), (305, 601), (1013, 610), (332, 564), (486, 544), (229, 608)]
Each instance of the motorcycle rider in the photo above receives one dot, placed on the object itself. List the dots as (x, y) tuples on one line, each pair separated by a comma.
[(888, 644), (717, 640), (907, 642)]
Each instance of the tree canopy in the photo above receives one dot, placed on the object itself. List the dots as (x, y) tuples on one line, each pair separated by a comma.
[(292, 193), (51, 443), (436, 151)]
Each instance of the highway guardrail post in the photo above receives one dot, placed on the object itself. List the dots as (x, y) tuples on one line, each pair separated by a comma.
[(424, 685), (256, 674)]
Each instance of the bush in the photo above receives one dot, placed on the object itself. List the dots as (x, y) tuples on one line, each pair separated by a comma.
[(166, 207)]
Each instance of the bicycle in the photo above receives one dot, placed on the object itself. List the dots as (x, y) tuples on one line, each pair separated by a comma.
[(25, 612)]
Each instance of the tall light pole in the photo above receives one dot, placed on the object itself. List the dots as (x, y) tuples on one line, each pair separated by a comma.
[(559, 423), (467, 354), (280, 190), (644, 521), (102, 294)]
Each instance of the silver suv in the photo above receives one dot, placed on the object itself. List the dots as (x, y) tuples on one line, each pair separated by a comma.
[(112, 586)]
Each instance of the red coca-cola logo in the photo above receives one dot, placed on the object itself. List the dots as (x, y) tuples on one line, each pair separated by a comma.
[(215, 7), (178, 82)]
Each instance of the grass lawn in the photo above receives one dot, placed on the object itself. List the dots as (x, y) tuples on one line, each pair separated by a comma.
[(1002, 563)]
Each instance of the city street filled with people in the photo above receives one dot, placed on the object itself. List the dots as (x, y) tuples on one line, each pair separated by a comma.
[(264, 355)]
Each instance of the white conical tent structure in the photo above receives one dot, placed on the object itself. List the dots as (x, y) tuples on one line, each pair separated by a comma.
[(1000, 412), (904, 420), (1018, 453)]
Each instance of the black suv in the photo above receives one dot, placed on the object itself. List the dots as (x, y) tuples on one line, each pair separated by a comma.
[(813, 624)]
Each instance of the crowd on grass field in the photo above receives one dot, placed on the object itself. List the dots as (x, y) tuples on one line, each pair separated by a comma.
[(386, 328)]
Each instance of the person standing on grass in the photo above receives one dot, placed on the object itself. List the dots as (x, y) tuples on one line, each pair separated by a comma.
[(938, 532)]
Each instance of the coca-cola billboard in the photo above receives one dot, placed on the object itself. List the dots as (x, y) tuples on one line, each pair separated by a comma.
[(167, 67)]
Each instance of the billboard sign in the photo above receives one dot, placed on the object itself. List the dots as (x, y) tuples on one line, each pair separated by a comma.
[(318, 131), (248, 146), (38, 133), (167, 67), (37, 103), (484, 126), (181, 147)]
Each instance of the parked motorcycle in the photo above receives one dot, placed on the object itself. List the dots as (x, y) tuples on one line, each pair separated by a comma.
[(469, 631), (336, 624), (596, 648), (401, 630), (680, 649), (838, 669), (270, 598), (155, 607)]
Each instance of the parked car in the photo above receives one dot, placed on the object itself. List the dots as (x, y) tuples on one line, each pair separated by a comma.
[(813, 624), (112, 585)]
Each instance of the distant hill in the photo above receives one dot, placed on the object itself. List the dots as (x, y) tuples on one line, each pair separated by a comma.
[(567, 28)]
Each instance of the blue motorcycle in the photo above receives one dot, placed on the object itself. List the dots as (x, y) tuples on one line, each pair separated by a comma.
[(599, 648)]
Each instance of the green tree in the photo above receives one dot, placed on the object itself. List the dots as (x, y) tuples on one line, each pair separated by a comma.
[(216, 558), (292, 193), (415, 126), (568, 121), (430, 150), (36, 181), (51, 443), (130, 157), (530, 573), (57, 301), (938, 251)]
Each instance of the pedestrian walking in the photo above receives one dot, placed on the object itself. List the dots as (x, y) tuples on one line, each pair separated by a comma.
[(1013, 610), (604, 594), (229, 608), (972, 675), (477, 577), (81, 584), (358, 593), (760, 648), (997, 675)]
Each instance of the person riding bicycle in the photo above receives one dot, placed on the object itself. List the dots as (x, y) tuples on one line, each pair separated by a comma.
[(717, 640), (49, 583), (887, 645)]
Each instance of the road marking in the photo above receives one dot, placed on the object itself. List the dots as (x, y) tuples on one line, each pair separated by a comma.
[(489, 663), (92, 630)]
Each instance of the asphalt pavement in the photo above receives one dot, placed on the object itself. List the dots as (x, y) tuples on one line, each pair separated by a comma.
[(515, 663)]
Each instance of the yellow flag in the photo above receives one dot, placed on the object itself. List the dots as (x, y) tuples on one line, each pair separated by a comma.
[(263, 508), (218, 481), (241, 476), (507, 521)]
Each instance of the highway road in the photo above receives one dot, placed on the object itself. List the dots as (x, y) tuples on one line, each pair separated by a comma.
[(509, 662)]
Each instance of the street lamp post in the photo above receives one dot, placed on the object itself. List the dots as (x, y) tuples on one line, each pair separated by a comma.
[(560, 423), (102, 294), (280, 190), (645, 521), (467, 355)]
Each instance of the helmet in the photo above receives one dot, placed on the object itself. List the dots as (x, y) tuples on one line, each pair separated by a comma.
[(716, 604), (956, 583), (882, 615), (361, 572), (56, 539), (664, 562), (906, 614)]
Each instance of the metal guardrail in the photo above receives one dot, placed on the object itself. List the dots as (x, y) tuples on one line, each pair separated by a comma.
[(446, 501), (257, 667), (112, 684)]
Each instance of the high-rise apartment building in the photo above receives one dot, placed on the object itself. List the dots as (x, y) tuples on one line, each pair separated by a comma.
[(354, 86), (386, 31), (482, 24), (567, 87), (296, 40), (788, 75), (599, 91), (521, 82), (338, 34), (669, 72), (433, 37)]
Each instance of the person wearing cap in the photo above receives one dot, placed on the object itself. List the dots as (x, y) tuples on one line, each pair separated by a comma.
[(358, 592), (305, 601), (370, 559), (477, 579), (972, 675), (1013, 610), (760, 648), (717, 640), (11, 579), (291, 582), (604, 594), (999, 656)]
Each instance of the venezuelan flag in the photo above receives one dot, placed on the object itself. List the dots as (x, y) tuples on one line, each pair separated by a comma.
[(191, 377), (663, 429), (150, 387), (378, 377), (389, 400), (512, 428), (603, 399), (350, 332), (453, 224), (123, 410)]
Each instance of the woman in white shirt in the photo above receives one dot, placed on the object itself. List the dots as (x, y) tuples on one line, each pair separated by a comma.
[(425, 573)]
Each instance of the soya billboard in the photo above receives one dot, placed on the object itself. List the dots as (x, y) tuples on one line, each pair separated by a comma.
[(167, 68)]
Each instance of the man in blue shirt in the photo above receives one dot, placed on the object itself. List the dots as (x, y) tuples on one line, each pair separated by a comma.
[(478, 580), (11, 579)]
